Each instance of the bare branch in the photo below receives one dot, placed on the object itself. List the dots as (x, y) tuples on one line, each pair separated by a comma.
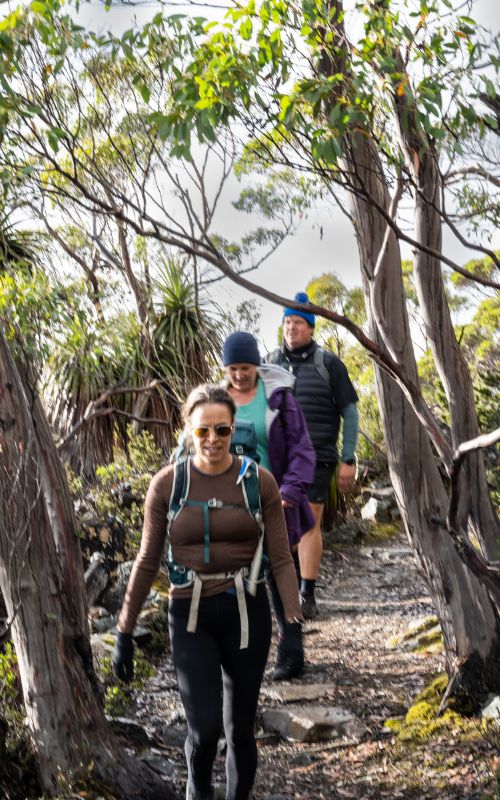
[(474, 169), (95, 409)]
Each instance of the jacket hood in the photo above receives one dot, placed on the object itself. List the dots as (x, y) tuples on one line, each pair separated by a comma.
[(274, 377)]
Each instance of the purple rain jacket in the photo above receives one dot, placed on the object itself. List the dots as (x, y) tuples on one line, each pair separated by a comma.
[(291, 454)]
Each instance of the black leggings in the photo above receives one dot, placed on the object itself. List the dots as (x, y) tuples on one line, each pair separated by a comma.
[(219, 686)]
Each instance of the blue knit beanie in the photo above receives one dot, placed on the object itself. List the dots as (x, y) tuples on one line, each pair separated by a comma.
[(240, 348), (300, 297)]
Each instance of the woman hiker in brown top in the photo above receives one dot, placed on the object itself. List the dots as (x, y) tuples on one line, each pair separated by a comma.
[(220, 641)]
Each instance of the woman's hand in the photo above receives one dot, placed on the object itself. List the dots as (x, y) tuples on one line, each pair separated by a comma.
[(123, 656)]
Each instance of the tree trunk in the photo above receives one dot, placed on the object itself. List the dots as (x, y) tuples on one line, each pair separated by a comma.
[(468, 617), (450, 361), (41, 578)]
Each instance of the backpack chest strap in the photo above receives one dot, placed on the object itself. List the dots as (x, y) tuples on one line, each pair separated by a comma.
[(206, 505)]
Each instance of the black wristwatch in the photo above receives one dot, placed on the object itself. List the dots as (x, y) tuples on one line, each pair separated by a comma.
[(349, 461)]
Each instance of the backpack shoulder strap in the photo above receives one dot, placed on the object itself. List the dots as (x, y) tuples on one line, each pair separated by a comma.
[(274, 357), (319, 365), (180, 489), (249, 479)]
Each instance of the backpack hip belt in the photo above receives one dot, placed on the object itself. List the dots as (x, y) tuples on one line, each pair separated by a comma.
[(237, 575)]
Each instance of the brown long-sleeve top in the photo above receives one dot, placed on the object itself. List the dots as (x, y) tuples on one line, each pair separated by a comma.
[(233, 538)]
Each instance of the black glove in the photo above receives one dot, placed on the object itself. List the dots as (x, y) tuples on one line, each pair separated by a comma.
[(123, 657)]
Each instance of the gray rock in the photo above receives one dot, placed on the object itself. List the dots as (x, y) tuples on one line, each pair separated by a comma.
[(102, 645), (173, 735), (88, 519), (350, 532), (305, 724), (113, 597), (492, 709), (302, 760), (96, 578), (130, 730), (159, 762), (294, 693), (104, 624), (122, 575), (377, 510)]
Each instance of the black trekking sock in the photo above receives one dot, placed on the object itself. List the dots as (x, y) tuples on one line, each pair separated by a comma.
[(277, 604), (296, 564), (307, 586)]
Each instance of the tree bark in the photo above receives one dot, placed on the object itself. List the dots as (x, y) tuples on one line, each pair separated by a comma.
[(468, 617), (450, 361), (41, 579)]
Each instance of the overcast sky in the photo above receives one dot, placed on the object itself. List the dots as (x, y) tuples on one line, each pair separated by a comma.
[(325, 241)]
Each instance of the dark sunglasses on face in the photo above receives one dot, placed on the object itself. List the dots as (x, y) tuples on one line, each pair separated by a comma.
[(222, 430)]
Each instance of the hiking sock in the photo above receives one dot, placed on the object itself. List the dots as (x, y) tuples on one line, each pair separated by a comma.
[(277, 604), (296, 563), (307, 586)]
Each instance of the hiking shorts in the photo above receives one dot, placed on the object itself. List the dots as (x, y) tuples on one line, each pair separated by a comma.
[(319, 490)]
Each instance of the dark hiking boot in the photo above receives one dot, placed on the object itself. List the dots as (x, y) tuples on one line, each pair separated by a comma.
[(288, 666), (308, 606), (290, 661)]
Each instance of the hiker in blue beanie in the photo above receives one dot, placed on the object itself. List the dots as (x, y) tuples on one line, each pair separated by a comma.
[(325, 393), (263, 396)]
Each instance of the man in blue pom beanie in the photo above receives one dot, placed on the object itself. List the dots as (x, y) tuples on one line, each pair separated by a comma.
[(325, 393)]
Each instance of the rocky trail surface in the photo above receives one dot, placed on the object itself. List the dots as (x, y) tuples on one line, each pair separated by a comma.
[(323, 736)]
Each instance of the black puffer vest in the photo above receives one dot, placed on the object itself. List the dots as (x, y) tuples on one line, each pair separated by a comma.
[(316, 398)]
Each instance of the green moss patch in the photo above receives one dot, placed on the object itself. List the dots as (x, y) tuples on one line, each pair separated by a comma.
[(422, 723), (422, 636), (382, 530)]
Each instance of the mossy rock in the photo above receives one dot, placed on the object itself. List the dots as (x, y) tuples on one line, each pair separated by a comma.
[(421, 722), (421, 636), (431, 642), (421, 626), (421, 730), (394, 724), (420, 712), (380, 531)]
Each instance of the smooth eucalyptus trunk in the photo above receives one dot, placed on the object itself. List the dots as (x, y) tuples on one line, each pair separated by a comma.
[(450, 361), (422, 163), (468, 617)]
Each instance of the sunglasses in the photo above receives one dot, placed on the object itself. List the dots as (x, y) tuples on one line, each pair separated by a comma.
[(222, 430)]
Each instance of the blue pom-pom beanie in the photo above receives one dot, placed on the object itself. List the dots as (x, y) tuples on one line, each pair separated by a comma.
[(300, 297), (240, 348)]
